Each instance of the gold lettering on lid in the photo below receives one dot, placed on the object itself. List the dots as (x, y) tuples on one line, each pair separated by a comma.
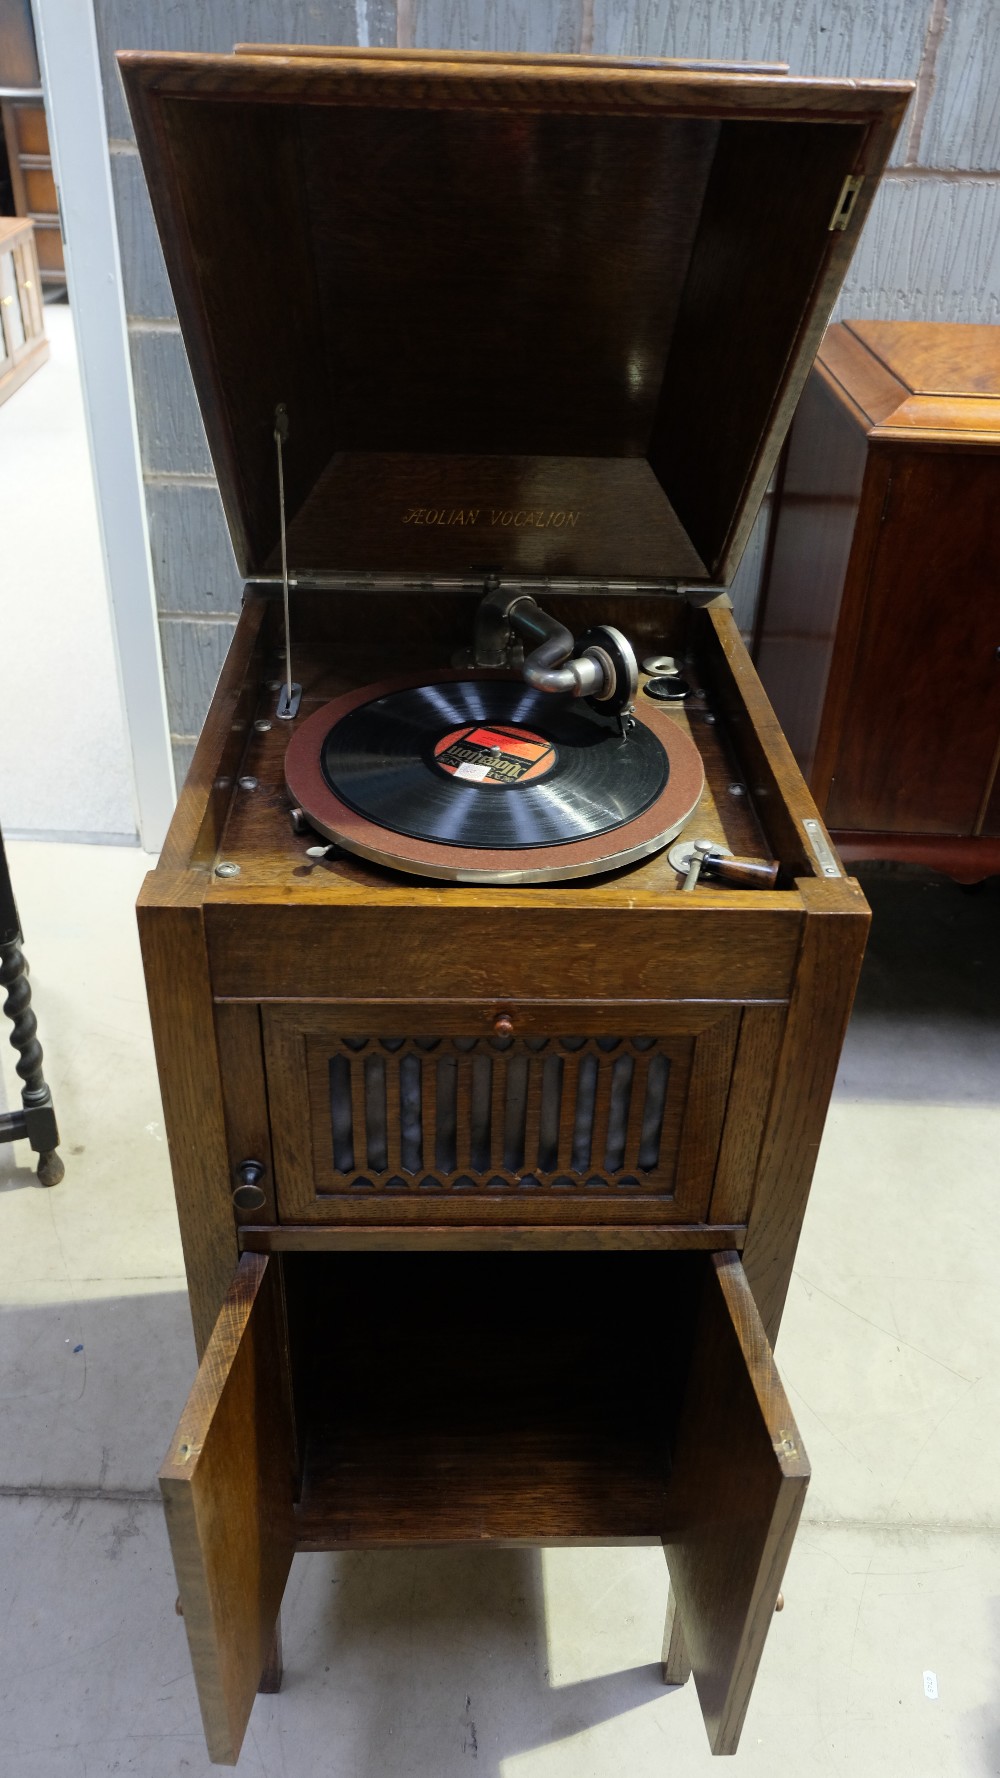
[(539, 518)]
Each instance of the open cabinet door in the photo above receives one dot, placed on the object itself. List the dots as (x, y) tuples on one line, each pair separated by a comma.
[(228, 1486), (740, 1476)]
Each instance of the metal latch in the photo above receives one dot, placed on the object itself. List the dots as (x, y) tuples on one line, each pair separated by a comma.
[(844, 207), (821, 851)]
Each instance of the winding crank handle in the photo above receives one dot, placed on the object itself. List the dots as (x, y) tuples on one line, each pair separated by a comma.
[(740, 873)]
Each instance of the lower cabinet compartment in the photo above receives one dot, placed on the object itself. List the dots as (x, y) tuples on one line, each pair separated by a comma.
[(519, 1398), (372, 1400)]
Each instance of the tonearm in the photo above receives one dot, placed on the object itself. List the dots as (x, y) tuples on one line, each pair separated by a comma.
[(600, 666)]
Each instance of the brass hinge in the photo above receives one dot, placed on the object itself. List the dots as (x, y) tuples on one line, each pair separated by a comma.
[(844, 207)]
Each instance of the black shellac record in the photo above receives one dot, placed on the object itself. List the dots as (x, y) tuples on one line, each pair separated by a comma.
[(491, 764)]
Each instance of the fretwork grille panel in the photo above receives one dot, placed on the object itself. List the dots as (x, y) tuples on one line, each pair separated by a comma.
[(496, 1115)]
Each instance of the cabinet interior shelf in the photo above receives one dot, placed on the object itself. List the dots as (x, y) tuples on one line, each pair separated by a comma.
[(486, 1398)]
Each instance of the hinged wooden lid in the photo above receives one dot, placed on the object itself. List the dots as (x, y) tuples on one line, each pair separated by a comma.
[(528, 317)]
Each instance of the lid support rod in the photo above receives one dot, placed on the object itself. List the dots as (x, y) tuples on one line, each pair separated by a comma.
[(291, 695)]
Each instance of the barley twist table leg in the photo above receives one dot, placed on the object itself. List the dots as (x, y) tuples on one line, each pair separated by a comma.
[(37, 1120)]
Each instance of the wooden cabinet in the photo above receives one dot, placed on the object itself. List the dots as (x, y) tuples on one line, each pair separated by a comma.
[(489, 1190), (465, 1405), (29, 157), (23, 345), (26, 137), (879, 639), (511, 1261)]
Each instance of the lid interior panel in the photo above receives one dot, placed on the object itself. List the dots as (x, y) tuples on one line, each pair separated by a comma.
[(486, 290), (486, 515), (751, 280), (249, 307), (567, 314)]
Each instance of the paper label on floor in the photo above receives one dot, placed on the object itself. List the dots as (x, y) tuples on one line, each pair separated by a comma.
[(930, 1684)]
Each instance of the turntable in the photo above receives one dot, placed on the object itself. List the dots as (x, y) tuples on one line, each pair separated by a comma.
[(490, 780), (492, 1114)]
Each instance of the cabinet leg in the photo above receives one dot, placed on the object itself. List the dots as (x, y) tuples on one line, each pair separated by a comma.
[(676, 1663), (270, 1679)]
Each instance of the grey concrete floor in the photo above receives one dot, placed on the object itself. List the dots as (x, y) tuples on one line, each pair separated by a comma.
[(525, 1664)]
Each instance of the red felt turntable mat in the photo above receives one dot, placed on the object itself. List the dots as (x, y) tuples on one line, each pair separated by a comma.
[(614, 846)]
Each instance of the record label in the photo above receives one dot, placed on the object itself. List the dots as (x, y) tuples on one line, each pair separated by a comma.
[(494, 756)]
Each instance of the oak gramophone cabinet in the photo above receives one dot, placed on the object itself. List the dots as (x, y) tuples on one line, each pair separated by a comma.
[(490, 1190)]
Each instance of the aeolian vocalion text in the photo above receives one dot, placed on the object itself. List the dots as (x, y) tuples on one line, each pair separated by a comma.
[(495, 518)]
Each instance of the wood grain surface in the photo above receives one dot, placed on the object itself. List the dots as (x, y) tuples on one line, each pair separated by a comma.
[(947, 360), (728, 945), (917, 751), (738, 1484), (833, 942), (813, 536), (676, 1660), (890, 688), (767, 764), (637, 176), (967, 860), (196, 827), (172, 936), (471, 1237), (227, 1486), (761, 1029), (697, 1041), (323, 52), (244, 1088), (488, 1397), (23, 345)]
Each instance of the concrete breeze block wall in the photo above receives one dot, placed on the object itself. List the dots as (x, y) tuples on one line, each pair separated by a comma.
[(930, 250)]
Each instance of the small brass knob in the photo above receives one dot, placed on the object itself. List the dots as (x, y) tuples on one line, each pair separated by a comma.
[(503, 1025), (248, 1194), (779, 1603)]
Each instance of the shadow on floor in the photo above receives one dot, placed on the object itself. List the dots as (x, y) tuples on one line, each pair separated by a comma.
[(17, 1168), (456, 1644), (926, 1023)]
